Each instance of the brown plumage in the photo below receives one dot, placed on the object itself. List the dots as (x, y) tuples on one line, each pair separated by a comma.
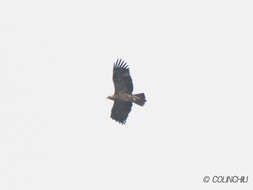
[(123, 96)]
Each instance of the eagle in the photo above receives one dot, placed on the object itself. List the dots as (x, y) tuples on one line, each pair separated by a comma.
[(123, 97)]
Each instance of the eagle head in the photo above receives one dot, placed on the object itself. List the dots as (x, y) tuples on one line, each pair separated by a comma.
[(110, 97)]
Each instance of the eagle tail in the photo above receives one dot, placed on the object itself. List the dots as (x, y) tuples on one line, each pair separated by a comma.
[(139, 99)]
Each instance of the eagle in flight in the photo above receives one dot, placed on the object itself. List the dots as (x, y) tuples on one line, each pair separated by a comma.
[(123, 97)]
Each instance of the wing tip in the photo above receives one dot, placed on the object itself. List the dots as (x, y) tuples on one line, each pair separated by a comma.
[(120, 63), (119, 121)]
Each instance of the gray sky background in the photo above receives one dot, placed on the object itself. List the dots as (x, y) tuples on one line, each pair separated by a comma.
[(193, 60)]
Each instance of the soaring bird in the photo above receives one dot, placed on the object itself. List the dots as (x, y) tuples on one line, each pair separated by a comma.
[(123, 97)]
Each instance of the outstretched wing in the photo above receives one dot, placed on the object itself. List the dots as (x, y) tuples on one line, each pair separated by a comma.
[(120, 110), (121, 78)]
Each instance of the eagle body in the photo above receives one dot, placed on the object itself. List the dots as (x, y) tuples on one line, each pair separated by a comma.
[(123, 97)]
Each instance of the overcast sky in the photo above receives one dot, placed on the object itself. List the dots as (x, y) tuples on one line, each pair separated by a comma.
[(192, 59)]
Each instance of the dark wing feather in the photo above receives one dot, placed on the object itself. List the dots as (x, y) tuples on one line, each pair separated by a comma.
[(121, 78), (120, 110)]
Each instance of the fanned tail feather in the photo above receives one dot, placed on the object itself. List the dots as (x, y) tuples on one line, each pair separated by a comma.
[(139, 99)]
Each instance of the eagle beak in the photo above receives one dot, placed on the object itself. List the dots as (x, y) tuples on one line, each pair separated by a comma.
[(109, 97)]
